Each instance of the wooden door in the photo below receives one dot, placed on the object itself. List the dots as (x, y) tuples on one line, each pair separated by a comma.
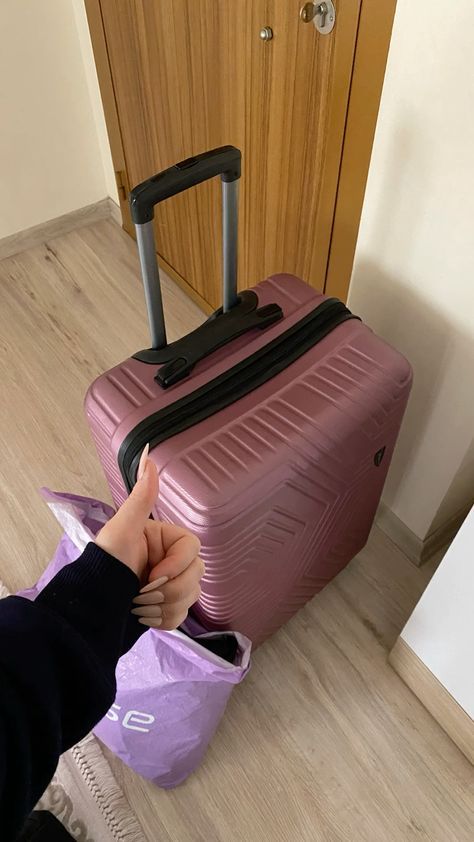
[(192, 74)]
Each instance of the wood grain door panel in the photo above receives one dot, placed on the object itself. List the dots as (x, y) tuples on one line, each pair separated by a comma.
[(192, 75)]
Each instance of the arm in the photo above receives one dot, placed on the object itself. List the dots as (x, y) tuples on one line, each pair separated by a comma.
[(58, 654), (57, 672)]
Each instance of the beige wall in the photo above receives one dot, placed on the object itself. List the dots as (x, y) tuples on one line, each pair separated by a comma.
[(53, 153), (413, 278), (94, 96)]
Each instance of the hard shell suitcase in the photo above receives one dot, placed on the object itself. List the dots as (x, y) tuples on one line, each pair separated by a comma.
[(272, 425)]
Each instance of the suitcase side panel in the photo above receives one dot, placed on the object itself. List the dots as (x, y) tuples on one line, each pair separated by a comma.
[(284, 494)]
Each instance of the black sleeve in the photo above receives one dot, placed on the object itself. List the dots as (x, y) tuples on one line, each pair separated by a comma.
[(57, 672)]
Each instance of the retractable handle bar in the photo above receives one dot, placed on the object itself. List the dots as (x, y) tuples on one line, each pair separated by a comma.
[(224, 161)]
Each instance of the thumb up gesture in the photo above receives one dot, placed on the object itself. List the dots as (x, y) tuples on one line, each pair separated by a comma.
[(165, 557)]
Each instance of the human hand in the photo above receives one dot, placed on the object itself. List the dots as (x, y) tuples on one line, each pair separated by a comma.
[(163, 556), (173, 582), (124, 535)]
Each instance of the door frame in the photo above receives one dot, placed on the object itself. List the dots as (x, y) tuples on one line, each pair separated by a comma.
[(368, 71)]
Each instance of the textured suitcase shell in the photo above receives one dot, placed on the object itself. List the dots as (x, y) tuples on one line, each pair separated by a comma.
[(282, 486)]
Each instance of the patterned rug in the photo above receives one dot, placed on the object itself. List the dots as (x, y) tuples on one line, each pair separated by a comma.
[(85, 796)]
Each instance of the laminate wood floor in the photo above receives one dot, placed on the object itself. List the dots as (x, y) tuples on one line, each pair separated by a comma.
[(322, 742)]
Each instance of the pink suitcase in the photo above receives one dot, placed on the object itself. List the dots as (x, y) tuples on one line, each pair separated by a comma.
[(273, 425)]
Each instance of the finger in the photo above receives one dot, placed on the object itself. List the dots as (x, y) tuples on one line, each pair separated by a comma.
[(178, 545), (152, 623), (135, 512), (174, 620), (172, 533), (155, 596), (174, 615), (178, 590), (170, 620), (168, 611), (148, 611)]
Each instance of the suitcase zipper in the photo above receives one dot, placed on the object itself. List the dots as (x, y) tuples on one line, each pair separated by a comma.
[(228, 387)]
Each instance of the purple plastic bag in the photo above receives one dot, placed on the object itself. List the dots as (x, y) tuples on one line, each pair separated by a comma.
[(171, 691)]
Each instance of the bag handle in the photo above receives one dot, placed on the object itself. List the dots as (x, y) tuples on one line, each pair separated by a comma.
[(224, 161)]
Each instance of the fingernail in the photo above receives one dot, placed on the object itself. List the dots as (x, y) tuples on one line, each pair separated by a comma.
[(156, 584), (142, 462), (147, 599), (150, 622), (156, 611)]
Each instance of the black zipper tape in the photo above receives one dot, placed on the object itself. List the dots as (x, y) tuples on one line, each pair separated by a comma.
[(228, 387)]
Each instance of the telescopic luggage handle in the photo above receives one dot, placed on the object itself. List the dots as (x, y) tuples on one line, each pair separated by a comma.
[(224, 161), (239, 313)]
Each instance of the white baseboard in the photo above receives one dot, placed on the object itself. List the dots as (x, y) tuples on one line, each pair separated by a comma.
[(418, 550), (434, 696), (398, 532), (115, 212), (22, 240)]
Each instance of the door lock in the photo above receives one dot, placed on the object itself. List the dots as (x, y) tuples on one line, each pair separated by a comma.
[(323, 15), (266, 33)]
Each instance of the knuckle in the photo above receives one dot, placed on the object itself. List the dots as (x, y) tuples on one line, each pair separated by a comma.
[(173, 618), (181, 617), (179, 594), (196, 542), (193, 597), (167, 617)]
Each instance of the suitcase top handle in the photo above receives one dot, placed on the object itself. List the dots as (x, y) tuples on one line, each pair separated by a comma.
[(224, 161)]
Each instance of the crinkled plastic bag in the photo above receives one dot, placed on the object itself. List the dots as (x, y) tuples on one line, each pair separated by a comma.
[(171, 690)]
